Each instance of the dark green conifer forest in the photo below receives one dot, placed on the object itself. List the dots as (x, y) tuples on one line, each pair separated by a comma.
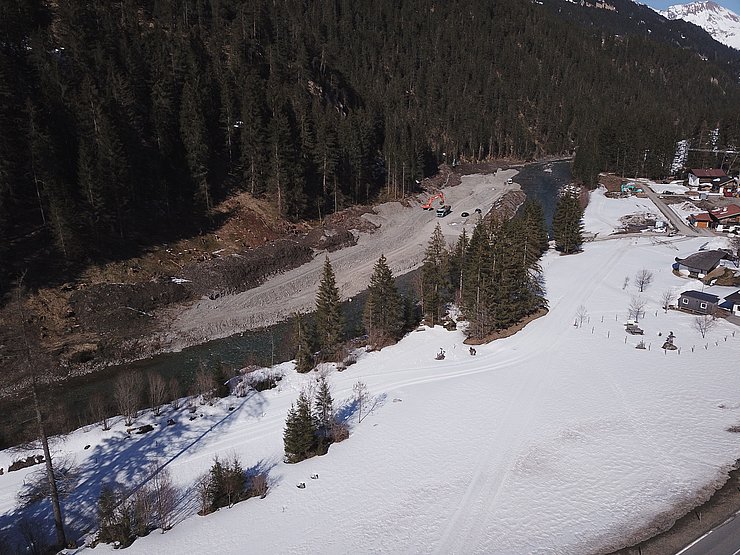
[(125, 122)]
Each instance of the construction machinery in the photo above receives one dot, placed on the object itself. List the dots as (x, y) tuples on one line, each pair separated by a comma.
[(428, 205)]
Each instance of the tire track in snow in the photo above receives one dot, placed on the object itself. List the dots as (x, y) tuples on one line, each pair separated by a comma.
[(465, 527)]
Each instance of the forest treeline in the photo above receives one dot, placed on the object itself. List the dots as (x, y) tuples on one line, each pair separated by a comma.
[(121, 122)]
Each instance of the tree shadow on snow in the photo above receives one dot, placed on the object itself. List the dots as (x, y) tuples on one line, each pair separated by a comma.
[(351, 407), (129, 460)]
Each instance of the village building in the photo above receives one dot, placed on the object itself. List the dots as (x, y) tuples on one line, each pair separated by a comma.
[(698, 302), (701, 178), (732, 303), (703, 262), (724, 216)]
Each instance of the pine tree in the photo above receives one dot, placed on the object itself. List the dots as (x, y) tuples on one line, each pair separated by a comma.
[(533, 230), (457, 262), (299, 436), (384, 309), (324, 408), (329, 320), (478, 281), (434, 282), (567, 227), (303, 357)]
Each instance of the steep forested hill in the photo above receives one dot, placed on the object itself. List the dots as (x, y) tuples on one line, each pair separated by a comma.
[(122, 122)]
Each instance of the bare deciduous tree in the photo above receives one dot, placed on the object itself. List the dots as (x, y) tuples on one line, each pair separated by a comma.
[(636, 308), (204, 385), (258, 485), (581, 315), (667, 298), (174, 392), (127, 394), (143, 509), (99, 409), (362, 397), (164, 495), (203, 487), (643, 279), (36, 485), (157, 391), (704, 323)]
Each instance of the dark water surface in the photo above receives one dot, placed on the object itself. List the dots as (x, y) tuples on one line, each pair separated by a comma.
[(543, 186), (270, 345)]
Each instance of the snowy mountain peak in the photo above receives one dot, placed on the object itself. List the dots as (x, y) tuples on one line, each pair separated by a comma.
[(718, 21)]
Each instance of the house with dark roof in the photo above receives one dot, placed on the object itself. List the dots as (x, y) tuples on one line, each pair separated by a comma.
[(702, 262), (724, 216), (703, 177), (732, 303), (698, 302)]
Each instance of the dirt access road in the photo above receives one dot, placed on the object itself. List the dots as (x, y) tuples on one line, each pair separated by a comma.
[(402, 235)]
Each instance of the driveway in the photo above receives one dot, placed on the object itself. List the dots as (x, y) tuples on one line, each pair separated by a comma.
[(680, 226)]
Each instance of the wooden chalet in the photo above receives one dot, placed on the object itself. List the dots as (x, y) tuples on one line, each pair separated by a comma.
[(726, 215), (702, 262), (732, 303), (698, 302), (706, 177)]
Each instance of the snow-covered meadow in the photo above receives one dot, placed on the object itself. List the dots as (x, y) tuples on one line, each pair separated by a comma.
[(559, 439)]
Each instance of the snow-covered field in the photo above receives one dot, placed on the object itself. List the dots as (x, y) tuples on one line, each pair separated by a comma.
[(559, 439), (603, 214), (676, 188)]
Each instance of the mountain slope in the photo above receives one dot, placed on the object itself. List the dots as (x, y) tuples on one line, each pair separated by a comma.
[(721, 23), (628, 18)]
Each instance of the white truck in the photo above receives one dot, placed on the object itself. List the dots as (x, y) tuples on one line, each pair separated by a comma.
[(442, 211)]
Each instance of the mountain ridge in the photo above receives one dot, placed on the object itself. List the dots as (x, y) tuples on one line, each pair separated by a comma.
[(720, 22)]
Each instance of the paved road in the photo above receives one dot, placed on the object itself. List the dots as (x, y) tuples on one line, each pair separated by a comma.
[(676, 221), (722, 540)]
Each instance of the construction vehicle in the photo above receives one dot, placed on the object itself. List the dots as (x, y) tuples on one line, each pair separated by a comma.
[(443, 210), (428, 205)]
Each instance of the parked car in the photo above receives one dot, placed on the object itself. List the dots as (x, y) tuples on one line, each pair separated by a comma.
[(464, 214)]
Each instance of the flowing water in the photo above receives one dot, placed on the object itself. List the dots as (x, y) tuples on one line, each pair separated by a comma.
[(270, 345)]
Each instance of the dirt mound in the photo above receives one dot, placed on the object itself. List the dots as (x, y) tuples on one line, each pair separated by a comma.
[(123, 309), (241, 271)]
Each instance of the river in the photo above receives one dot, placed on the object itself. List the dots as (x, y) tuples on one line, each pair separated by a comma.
[(263, 347)]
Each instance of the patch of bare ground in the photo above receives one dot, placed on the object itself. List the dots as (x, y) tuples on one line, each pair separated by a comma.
[(511, 330), (469, 168), (672, 532), (109, 314), (612, 183)]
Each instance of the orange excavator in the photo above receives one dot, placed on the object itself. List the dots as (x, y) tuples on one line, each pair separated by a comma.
[(428, 205)]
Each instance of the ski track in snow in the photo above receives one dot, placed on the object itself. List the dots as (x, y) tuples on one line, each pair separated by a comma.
[(555, 440)]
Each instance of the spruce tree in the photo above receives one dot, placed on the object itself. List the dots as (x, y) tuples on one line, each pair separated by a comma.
[(329, 320), (324, 408), (567, 227), (456, 263), (304, 357), (478, 282), (299, 436), (384, 308), (434, 278)]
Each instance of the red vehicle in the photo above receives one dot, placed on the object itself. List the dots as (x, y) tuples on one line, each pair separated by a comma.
[(428, 205)]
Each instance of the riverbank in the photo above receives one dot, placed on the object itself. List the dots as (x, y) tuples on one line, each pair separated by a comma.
[(400, 232)]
